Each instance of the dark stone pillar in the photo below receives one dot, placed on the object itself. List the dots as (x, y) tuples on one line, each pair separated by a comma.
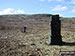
[(56, 30), (24, 29), (55, 37)]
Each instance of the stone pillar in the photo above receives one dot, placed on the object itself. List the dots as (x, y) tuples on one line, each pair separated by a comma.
[(55, 37), (24, 29)]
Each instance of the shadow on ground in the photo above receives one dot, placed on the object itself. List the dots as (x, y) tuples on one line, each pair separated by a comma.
[(68, 44)]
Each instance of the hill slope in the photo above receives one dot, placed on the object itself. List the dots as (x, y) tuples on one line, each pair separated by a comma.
[(14, 42)]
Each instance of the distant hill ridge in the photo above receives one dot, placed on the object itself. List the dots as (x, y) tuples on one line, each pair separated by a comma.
[(29, 16), (24, 16), (23, 19)]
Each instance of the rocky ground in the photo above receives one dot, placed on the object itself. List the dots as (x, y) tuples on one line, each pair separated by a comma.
[(14, 42)]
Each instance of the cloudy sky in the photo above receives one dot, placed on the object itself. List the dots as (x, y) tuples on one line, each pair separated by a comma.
[(65, 8)]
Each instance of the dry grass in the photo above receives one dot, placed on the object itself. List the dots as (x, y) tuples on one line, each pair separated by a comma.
[(14, 42)]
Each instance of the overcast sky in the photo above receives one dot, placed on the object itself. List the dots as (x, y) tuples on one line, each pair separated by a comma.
[(65, 8)]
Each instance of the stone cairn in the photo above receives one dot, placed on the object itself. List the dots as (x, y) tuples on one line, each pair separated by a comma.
[(55, 31)]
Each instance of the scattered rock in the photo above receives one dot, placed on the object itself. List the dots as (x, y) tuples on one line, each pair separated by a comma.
[(33, 44)]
